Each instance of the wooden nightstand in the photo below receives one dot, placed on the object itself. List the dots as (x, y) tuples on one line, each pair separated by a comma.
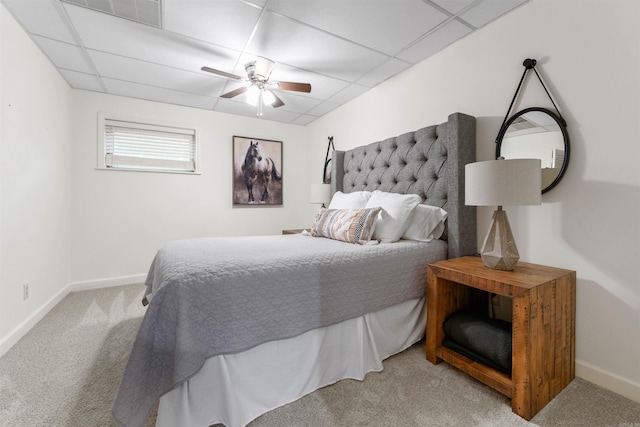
[(543, 325), (293, 231)]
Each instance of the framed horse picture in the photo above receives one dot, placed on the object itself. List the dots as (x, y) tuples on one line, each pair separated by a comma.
[(257, 171)]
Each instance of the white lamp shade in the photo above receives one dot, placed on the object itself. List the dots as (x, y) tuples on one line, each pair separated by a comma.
[(512, 182), (320, 193)]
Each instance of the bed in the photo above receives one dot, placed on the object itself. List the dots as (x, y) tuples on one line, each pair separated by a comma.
[(236, 327)]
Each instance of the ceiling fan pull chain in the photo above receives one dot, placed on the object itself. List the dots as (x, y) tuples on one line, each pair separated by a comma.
[(259, 114)]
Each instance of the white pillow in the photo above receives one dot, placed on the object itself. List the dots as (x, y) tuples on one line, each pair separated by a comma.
[(426, 223), (354, 200), (393, 219)]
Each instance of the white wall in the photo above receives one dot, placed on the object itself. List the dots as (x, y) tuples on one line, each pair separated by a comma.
[(589, 56), (121, 218), (34, 182)]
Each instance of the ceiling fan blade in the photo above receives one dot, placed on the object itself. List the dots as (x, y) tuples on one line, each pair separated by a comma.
[(221, 73), (297, 87), (235, 92), (278, 102)]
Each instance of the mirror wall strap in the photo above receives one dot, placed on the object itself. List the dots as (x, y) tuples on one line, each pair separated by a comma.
[(327, 159), (530, 64)]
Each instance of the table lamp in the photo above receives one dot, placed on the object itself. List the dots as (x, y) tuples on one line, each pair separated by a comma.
[(320, 194), (501, 183)]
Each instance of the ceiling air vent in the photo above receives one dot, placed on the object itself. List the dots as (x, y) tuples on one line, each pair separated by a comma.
[(521, 123), (148, 12)]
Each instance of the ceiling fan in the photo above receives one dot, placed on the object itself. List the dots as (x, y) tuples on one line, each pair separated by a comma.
[(259, 91)]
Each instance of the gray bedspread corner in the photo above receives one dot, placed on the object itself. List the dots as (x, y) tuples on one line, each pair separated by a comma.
[(259, 289)]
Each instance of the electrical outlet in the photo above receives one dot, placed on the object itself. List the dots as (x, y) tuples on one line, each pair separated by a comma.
[(25, 291)]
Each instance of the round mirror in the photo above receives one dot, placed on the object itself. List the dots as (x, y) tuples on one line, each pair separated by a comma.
[(536, 133)]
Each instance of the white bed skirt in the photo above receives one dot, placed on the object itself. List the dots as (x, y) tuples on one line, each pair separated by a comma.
[(237, 388)]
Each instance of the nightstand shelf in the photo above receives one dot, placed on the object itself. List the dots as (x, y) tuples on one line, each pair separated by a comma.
[(543, 325)]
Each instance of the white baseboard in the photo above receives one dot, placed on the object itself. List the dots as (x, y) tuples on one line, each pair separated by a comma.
[(21, 330), (604, 379), (107, 283)]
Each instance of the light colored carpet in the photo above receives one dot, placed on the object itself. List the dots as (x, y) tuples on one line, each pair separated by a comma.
[(66, 370)]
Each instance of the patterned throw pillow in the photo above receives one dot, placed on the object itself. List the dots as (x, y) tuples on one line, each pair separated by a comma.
[(347, 225)]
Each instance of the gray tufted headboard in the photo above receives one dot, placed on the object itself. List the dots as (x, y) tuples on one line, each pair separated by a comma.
[(428, 162)]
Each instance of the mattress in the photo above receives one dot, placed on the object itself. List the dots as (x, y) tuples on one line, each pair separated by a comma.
[(215, 296)]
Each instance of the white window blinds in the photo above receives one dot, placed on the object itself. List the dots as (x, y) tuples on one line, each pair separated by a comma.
[(130, 145)]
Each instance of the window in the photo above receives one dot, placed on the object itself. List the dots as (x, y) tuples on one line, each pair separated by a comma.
[(138, 146)]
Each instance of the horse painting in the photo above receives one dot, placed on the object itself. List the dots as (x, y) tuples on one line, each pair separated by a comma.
[(260, 169)]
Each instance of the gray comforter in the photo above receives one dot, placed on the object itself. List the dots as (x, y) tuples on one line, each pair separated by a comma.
[(215, 296)]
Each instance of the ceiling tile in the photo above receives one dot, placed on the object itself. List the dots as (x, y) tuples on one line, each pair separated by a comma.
[(42, 18), (436, 41), (225, 23), (127, 38), (323, 109), (133, 70), (279, 115), (153, 93), (240, 108), (64, 55), (303, 120), (488, 10), (383, 25), (243, 109), (348, 93), (286, 41), (341, 47), (453, 6), (389, 68), (297, 103), (82, 80)]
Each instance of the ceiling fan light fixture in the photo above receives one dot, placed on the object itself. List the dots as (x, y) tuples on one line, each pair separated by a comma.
[(268, 98), (263, 68), (253, 94), (259, 87)]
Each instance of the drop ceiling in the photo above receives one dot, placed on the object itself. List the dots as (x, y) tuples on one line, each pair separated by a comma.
[(155, 49)]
